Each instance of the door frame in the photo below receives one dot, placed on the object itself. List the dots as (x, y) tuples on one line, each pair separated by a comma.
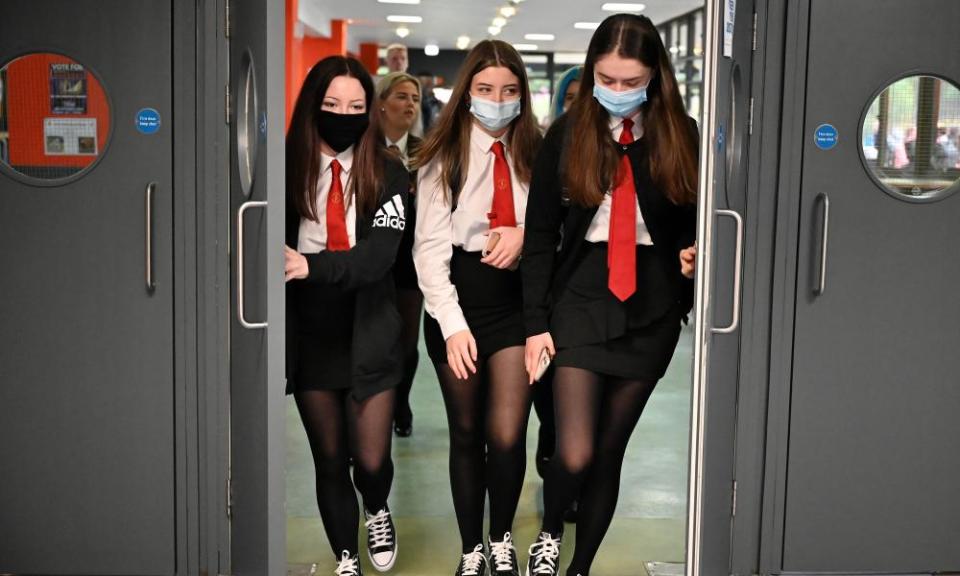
[(205, 38)]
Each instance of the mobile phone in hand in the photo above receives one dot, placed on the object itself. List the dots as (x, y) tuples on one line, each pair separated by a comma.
[(542, 365)]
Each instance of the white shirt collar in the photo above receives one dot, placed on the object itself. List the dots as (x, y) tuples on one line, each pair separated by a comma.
[(401, 143), (484, 141), (345, 158), (616, 121)]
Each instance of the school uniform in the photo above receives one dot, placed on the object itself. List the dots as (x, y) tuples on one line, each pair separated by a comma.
[(342, 323), (459, 291), (565, 275), (404, 272)]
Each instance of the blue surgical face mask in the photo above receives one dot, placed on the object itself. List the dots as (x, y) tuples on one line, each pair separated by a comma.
[(620, 104), (494, 116)]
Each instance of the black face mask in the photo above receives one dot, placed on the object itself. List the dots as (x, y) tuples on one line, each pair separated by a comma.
[(341, 131)]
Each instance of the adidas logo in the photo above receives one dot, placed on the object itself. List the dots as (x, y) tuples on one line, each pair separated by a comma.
[(390, 215)]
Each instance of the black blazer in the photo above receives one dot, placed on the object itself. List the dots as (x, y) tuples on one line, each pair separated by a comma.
[(364, 269), (552, 221)]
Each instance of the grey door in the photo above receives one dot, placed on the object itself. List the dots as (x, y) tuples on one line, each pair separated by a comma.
[(87, 396), (258, 522), (874, 438), (723, 211)]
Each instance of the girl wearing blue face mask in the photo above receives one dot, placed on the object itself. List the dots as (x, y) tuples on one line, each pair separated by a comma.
[(474, 171), (618, 174)]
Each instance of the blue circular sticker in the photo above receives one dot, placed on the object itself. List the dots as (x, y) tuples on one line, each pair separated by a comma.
[(825, 136), (148, 121)]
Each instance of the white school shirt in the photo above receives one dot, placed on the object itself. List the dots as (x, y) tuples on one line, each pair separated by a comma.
[(312, 237), (438, 231), (402, 145), (599, 229)]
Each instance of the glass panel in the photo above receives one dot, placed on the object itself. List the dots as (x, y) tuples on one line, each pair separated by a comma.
[(911, 137), (54, 117)]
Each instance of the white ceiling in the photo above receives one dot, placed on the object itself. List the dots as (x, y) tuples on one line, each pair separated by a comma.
[(445, 20)]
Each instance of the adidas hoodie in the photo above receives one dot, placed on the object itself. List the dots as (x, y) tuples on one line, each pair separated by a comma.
[(365, 269)]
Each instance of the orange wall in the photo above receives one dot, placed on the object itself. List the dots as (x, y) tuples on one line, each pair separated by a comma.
[(303, 53), (28, 103)]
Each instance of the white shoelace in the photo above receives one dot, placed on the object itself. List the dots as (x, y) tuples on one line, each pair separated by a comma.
[(473, 560), (378, 527), (347, 566), (500, 553), (545, 552)]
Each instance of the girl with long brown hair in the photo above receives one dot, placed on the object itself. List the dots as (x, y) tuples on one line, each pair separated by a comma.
[(345, 218), (474, 171), (618, 176)]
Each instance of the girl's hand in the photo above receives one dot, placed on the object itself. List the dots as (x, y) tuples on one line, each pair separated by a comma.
[(507, 251), (295, 267), (462, 354), (688, 261), (531, 355)]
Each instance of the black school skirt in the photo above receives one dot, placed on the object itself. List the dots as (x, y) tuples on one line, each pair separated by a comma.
[(492, 303), (640, 351), (324, 337)]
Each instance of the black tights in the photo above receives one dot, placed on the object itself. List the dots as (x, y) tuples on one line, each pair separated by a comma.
[(337, 425), (595, 416), (487, 416), (410, 305)]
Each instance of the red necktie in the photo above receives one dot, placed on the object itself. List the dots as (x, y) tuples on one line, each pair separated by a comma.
[(501, 213), (622, 235), (337, 238)]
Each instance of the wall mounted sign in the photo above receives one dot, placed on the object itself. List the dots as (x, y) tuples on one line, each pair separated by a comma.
[(70, 136), (68, 89)]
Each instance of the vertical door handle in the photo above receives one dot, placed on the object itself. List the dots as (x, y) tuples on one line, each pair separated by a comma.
[(737, 270), (240, 313), (822, 282), (148, 234)]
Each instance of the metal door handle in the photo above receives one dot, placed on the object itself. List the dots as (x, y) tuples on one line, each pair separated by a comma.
[(822, 284), (737, 269), (148, 217), (240, 313)]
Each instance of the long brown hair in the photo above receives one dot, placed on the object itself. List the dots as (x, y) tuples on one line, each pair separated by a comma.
[(671, 140), (303, 141), (449, 139)]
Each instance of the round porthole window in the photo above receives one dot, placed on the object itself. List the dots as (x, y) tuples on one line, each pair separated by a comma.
[(910, 138), (55, 119)]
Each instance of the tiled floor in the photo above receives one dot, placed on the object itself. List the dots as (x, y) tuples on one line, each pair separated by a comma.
[(650, 518)]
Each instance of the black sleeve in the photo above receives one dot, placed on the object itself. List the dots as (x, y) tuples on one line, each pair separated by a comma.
[(542, 232), (372, 257)]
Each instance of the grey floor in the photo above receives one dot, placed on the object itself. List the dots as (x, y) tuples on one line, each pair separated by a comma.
[(648, 526)]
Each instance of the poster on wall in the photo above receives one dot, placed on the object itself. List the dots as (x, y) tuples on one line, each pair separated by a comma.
[(70, 136), (68, 89)]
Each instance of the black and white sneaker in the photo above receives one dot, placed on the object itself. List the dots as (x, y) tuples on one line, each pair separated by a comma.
[(381, 539), (473, 563), (348, 565), (503, 557), (544, 556)]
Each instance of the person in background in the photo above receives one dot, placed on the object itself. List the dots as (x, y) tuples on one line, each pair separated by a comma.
[(566, 93), (618, 175), (398, 104), (472, 188), (398, 60), (344, 220), (430, 105)]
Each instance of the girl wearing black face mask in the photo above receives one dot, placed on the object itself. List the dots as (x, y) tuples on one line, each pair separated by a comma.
[(345, 219)]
